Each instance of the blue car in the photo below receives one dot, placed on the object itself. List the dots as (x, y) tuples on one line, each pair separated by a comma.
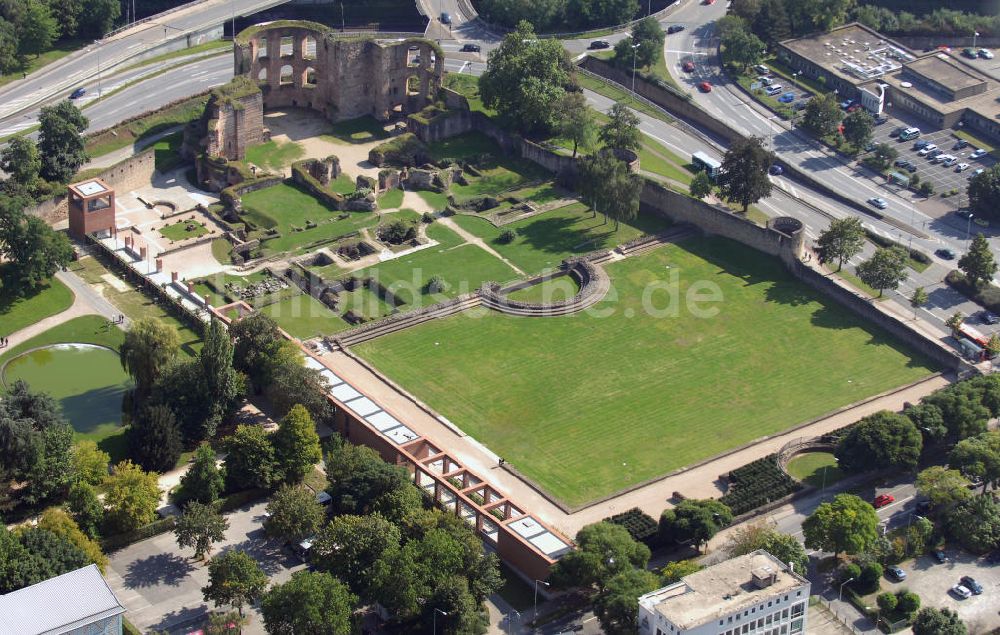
[(78, 93), (787, 98)]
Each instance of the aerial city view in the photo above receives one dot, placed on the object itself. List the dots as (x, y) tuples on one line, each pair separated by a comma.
[(346, 317)]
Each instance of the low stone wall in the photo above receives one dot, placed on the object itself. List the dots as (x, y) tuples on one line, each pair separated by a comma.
[(234, 193)]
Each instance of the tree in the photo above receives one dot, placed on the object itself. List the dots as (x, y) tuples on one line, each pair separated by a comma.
[(33, 555), (743, 178), (907, 602), (674, 571), (234, 578), (295, 384), (750, 538), (350, 546), (256, 345), (20, 160), (524, 77), (198, 527), (61, 524), (886, 602), (984, 193), (154, 442), (541, 13), (931, 621), (603, 551), (978, 264), (884, 155), (944, 487), (886, 269), (10, 58), (87, 509), (228, 623), (60, 142), (575, 120), (250, 459), (846, 525), (918, 299), (978, 457), (880, 440), (610, 187), (309, 603), (132, 498), (701, 185), (90, 462), (926, 189), (975, 524), (621, 132), (38, 29), (99, 17), (203, 482), (993, 345), (858, 128), (149, 346), (649, 29), (742, 49), (822, 114), (842, 240), (694, 521), (33, 250), (294, 514), (956, 320), (66, 14), (359, 477), (616, 605), (222, 385), (296, 445)]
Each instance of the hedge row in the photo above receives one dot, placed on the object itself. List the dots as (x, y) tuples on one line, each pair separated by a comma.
[(882, 241), (640, 525), (988, 296), (756, 484)]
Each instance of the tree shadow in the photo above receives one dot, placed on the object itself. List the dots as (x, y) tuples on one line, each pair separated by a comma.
[(268, 552), (173, 621), (94, 408), (161, 568)]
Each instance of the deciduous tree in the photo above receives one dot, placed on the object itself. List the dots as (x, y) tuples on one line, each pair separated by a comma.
[(743, 179), (846, 525), (222, 385), (234, 578), (822, 114), (694, 521), (975, 524), (21, 161), (90, 462), (359, 477), (38, 29), (918, 299), (61, 524), (674, 571), (984, 193), (842, 240), (858, 128), (149, 346), (978, 263), (294, 513), (203, 482), (978, 457), (931, 621), (33, 250), (575, 120), (256, 345), (701, 185), (154, 441), (132, 498), (350, 546), (296, 445), (99, 17), (198, 527), (87, 509), (616, 606), (750, 538), (944, 487), (621, 132), (10, 59), (60, 142), (881, 440), (886, 269), (311, 602), (742, 49), (603, 551), (250, 459)]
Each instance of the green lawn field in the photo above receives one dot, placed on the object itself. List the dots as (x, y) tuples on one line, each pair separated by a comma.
[(543, 241), (17, 312), (180, 231), (586, 405), (304, 316)]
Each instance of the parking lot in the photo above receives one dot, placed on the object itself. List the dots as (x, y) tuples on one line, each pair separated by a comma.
[(943, 178), (932, 581)]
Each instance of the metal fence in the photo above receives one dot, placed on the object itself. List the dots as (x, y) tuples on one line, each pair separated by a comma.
[(845, 615)]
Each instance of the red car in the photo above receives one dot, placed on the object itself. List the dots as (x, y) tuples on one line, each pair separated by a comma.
[(883, 499), (705, 87), (688, 66)]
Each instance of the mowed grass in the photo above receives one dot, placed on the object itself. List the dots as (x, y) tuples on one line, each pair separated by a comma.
[(543, 241), (589, 404), (17, 312), (552, 290), (180, 231), (303, 316), (275, 155), (810, 467)]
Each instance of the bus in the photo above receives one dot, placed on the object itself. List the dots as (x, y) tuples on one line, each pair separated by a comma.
[(702, 161)]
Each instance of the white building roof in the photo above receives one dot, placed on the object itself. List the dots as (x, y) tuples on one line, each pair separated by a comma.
[(59, 604)]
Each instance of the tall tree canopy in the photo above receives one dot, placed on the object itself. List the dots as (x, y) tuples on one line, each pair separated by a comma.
[(149, 346), (846, 525), (842, 240), (603, 551), (743, 179), (978, 263), (60, 141), (881, 440), (311, 602), (694, 521), (984, 193), (33, 251)]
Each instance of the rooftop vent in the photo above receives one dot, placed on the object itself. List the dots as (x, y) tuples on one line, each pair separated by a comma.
[(763, 576)]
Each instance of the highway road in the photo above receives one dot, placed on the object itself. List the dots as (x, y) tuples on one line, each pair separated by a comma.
[(79, 67)]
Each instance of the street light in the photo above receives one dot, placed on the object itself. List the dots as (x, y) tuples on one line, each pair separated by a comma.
[(835, 460), (635, 52), (841, 595), (975, 34), (534, 613), (968, 227), (436, 611)]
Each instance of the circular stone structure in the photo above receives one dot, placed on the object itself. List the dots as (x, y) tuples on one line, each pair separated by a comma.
[(87, 380)]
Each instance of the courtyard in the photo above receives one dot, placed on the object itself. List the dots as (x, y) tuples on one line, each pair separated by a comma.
[(589, 404)]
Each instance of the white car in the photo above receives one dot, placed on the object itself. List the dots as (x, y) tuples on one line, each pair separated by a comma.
[(774, 90), (986, 54), (878, 202), (977, 153), (949, 161), (961, 167), (927, 149), (961, 592), (976, 173)]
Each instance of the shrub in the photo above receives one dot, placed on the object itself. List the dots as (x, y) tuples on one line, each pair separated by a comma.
[(397, 232), (640, 525), (848, 571), (907, 602), (427, 218), (988, 296), (507, 236), (756, 484), (437, 284), (871, 573), (886, 601), (926, 188)]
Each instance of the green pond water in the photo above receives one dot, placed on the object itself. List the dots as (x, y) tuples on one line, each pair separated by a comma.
[(87, 380)]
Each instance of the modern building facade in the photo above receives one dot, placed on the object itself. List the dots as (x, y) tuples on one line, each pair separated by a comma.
[(76, 603), (936, 86), (755, 593), (91, 208)]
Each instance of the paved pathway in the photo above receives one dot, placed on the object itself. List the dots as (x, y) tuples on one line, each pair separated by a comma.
[(477, 241)]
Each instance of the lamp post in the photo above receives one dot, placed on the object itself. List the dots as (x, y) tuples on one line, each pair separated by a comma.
[(98, 43), (968, 227), (835, 460), (534, 613), (975, 34), (635, 52), (436, 611), (840, 596)]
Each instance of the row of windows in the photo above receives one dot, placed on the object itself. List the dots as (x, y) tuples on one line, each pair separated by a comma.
[(753, 625)]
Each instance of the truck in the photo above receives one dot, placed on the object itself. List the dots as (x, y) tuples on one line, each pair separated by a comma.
[(702, 161)]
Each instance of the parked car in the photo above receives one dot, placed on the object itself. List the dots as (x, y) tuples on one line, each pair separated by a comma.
[(927, 149), (949, 161), (705, 87), (921, 144), (988, 317), (765, 80), (933, 154), (787, 98), (901, 163), (895, 573), (897, 131), (78, 93), (969, 52), (688, 66), (944, 254), (938, 554), (976, 173), (774, 90), (961, 167), (912, 167), (600, 44), (801, 104), (882, 499), (763, 70), (961, 592), (881, 119), (961, 143), (986, 54), (445, 18), (844, 105), (471, 48), (977, 153), (675, 28), (776, 170)]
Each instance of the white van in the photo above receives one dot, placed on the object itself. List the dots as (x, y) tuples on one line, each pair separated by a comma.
[(909, 133), (774, 90)]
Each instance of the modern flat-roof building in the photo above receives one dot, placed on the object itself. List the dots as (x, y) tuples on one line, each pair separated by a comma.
[(755, 593), (91, 208), (860, 63), (76, 603)]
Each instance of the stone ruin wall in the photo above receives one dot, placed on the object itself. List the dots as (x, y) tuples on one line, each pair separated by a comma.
[(234, 126)]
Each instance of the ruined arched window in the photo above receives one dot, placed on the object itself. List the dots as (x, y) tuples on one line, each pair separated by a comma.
[(286, 75), (413, 85), (287, 46), (262, 75), (309, 77), (308, 48), (262, 47)]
